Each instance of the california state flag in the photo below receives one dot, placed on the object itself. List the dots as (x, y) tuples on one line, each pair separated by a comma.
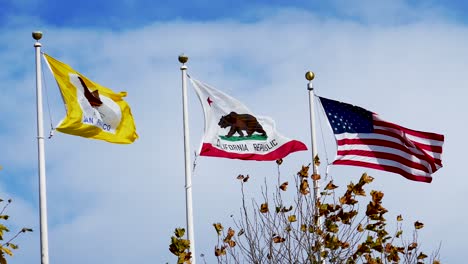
[(232, 131)]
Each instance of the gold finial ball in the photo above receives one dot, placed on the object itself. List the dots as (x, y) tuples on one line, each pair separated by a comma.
[(309, 75), (183, 59), (37, 35)]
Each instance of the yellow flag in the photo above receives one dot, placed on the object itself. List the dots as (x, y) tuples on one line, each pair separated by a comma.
[(93, 111)]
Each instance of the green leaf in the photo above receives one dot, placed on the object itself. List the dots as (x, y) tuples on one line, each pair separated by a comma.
[(422, 256), (7, 250), (303, 228), (418, 225), (292, 218), (398, 234), (179, 232), (218, 227), (359, 228), (13, 246), (331, 226)]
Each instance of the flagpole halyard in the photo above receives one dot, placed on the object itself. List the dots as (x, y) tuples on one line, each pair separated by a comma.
[(188, 173), (37, 35), (310, 76)]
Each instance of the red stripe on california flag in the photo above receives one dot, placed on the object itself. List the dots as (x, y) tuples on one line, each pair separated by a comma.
[(387, 156), (384, 168), (279, 153)]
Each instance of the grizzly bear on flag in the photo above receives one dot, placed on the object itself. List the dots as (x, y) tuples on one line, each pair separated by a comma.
[(239, 122)]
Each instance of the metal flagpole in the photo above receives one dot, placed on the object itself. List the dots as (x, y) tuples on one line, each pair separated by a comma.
[(37, 35), (310, 76), (188, 173)]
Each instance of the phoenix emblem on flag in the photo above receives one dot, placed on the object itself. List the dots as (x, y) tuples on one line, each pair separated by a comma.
[(92, 97)]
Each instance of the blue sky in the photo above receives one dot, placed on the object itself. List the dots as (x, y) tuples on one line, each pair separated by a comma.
[(405, 60), (129, 14)]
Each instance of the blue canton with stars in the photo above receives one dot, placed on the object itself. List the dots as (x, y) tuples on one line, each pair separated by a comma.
[(345, 117)]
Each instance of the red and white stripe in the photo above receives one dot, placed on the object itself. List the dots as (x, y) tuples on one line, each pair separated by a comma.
[(413, 154)]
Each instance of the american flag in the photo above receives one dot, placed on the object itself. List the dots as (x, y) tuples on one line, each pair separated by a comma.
[(364, 139)]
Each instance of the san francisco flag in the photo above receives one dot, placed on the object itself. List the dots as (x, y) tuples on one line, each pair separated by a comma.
[(232, 131), (93, 111)]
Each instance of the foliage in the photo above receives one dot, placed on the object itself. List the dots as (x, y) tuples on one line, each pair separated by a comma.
[(180, 247), (6, 248), (333, 229)]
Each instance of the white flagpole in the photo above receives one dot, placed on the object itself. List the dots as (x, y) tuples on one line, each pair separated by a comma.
[(310, 76), (188, 173), (37, 35)]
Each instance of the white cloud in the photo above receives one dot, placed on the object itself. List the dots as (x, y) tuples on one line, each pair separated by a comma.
[(393, 12), (119, 204)]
